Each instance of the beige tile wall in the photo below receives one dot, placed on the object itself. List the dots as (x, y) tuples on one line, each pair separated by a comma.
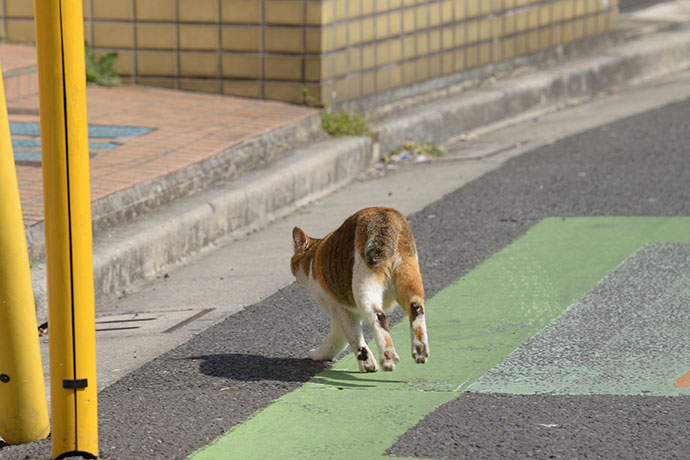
[(337, 49)]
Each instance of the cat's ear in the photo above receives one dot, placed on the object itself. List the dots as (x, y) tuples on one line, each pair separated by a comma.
[(299, 238)]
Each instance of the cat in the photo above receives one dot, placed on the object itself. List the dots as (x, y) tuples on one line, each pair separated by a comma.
[(356, 272)]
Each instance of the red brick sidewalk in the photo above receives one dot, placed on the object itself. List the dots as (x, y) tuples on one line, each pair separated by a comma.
[(188, 128)]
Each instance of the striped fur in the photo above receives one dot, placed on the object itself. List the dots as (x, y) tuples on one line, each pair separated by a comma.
[(356, 272)]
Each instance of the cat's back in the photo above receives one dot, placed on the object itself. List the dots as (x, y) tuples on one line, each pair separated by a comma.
[(379, 226)]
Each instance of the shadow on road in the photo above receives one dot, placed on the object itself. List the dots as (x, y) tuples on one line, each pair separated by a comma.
[(254, 368)]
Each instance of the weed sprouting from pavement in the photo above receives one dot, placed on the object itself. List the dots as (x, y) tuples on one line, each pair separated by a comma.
[(99, 70), (343, 122)]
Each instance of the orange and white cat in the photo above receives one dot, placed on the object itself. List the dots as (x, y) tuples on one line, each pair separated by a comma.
[(356, 272)]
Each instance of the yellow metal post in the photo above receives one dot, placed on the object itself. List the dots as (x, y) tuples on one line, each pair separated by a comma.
[(23, 406), (67, 203)]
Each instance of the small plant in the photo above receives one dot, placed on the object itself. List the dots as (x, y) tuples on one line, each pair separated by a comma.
[(309, 100), (345, 123), (413, 151), (99, 70)]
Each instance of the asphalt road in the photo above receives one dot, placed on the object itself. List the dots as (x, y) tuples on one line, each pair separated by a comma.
[(182, 400)]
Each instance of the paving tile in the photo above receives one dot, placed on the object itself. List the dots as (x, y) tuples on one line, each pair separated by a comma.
[(187, 128)]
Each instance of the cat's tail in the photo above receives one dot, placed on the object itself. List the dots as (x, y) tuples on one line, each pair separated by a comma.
[(380, 246), (387, 233)]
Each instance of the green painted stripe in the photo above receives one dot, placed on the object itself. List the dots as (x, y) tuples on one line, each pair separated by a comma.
[(473, 325), (626, 336)]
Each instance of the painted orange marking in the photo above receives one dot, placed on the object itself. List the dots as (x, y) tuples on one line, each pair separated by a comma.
[(389, 342), (683, 381), (420, 333)]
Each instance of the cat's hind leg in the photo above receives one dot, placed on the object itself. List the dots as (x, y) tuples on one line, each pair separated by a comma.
[(351, 325), (368, 292), (410, 294), (346, 328), (347, 324), (378, 323)]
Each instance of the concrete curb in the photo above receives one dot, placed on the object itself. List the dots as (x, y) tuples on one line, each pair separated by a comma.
[(172, 232), (149, 195), (635, 61), (169, 234)]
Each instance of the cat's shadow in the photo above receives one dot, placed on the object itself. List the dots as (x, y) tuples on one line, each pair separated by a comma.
[(255, 368)]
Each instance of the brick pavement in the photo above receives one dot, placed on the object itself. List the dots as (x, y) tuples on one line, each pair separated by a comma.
[(186, 128)]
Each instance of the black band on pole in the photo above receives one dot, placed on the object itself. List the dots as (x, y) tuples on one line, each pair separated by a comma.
[(75, 384)]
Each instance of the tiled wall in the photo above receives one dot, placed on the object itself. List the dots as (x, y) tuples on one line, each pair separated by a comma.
[(337, 49)]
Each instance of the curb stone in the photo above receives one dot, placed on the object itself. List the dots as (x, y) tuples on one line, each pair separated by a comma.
[(144, 197)]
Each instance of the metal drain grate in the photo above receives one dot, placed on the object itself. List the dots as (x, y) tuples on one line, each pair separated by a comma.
[(97, 131), (121, 321), (158, 322), (28, 148)]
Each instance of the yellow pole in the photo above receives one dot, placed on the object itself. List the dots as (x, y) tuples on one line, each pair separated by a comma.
[(66, 191), (23, 406)]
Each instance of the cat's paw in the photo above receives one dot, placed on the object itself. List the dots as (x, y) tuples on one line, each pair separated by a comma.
[(389, 359), (368, 366), (365, 360), (315, 355), (420, 352)]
